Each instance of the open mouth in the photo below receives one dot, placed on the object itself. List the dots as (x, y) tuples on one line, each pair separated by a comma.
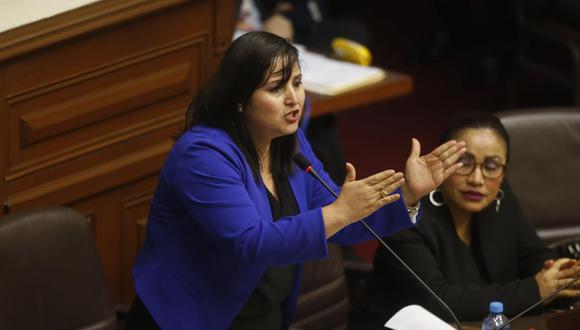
[(293, 115)]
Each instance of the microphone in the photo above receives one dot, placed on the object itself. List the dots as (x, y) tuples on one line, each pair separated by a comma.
[(539, 302), (305, 165)]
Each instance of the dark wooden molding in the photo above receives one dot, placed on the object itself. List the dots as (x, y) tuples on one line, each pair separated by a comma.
[(172, 119), (67, 189), (96, 72), (75, 22)]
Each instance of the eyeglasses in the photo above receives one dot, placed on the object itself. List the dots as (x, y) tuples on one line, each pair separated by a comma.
[(490, 168)]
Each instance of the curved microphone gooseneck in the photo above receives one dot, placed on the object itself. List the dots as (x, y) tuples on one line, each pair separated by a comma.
[(305, 165)]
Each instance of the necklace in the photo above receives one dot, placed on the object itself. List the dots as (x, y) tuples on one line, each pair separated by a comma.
[(262, 156)]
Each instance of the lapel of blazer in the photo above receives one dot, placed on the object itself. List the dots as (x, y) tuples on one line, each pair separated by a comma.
[(297, 184)]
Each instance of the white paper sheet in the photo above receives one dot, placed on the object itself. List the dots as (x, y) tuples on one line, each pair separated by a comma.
[(415, 317), (327, 76)]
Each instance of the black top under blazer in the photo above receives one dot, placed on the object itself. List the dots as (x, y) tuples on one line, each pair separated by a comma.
[(499, 265)]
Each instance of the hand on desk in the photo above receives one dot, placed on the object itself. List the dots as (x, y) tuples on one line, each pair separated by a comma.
[(555, 274)]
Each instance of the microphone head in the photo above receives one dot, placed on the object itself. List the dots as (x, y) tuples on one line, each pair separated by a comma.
[(301, 161)]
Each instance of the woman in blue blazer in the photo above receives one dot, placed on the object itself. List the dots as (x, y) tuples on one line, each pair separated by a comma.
[(231, 220)]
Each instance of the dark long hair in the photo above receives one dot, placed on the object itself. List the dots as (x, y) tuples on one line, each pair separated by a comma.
[(246, 66), (477, 120)]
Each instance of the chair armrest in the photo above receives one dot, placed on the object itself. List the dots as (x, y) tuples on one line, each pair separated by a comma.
[(357, 273), (359, 267), (568, 248)]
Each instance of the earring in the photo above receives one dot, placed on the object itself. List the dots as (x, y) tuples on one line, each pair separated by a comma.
[(240, 108), (498, 199), (432, 198)]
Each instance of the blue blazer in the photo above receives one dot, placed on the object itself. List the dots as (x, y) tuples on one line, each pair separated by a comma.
[(210, 233)]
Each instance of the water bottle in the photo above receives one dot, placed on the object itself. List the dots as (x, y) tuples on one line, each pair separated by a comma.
[(495, 319)]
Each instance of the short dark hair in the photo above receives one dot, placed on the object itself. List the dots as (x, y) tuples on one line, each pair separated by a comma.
[(477, 120), (246, 66)]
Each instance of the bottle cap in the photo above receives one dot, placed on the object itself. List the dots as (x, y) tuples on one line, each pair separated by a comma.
[(496, 307)]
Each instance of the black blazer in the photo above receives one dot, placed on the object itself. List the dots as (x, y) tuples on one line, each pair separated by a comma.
[(500, 264)]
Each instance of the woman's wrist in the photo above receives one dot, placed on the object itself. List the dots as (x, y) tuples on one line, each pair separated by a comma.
[(408, 197), (334, 219)]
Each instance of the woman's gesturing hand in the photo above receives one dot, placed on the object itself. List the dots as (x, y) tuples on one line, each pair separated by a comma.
[(425, 173), (360, 198)]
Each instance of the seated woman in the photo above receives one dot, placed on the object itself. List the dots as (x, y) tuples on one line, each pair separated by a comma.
[(472, 245)]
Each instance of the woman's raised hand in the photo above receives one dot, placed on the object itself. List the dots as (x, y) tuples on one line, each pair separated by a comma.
[(360, 198), (425, 173)]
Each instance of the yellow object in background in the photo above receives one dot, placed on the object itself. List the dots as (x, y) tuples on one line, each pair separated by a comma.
[(351, 51)]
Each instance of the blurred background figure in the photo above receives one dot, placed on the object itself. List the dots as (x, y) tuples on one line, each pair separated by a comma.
[(313, 23)]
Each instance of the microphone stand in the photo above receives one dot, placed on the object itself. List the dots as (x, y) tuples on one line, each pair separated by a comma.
[(304, 164)]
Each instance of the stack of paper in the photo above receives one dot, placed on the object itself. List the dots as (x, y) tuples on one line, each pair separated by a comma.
[(323, 75)]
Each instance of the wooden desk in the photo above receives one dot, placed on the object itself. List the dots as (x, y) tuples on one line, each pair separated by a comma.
[(394, 85)]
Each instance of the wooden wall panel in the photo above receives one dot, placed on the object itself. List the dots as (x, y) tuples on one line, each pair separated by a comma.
[(119, 241), (89, 103), (224, 15), (134, 215), (95, 112)]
